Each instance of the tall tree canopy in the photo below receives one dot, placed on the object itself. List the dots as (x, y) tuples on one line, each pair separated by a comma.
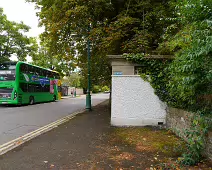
[(13, 41), (46, 59), (117, 26), (190, 39)]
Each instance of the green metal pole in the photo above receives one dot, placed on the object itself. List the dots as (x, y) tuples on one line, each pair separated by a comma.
[(88, 96)]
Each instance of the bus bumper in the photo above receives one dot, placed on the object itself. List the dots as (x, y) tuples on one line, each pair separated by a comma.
[(8, 102)]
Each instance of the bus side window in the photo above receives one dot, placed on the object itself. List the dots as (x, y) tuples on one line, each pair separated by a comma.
[(30, 70), (34, 70), (42, 73), (37, 71), (45, 73), (38, 88), (23, 68), (49, 74), (26, 69), (54, 75), (24, 87), (31, 87)]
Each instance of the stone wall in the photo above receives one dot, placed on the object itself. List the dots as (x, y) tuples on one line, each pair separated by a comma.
[(78, 91), (179, 120), (134, 102)]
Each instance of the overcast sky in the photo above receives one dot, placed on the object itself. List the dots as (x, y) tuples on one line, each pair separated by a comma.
[(18, 10)]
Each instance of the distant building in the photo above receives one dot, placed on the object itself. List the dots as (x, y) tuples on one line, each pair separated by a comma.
[(64, 90)]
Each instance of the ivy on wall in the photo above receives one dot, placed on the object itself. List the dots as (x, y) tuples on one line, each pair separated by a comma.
[(186, 81), (196, 136), (156, 72), (190, 74), (164, 76)]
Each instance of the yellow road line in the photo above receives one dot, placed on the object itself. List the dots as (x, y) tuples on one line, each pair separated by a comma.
[(19, 141)]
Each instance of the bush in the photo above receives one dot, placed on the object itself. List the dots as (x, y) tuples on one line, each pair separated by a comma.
[(96, 89), (105, 88)]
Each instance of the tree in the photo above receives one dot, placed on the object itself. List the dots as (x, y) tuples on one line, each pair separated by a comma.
[(190, 40), (73, 80), (117, 26), (13, 41), (46, 59), (138, 27)]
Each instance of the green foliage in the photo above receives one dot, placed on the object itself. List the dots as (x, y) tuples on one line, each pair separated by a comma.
[(196, 139), (189, 16), (190, 74), (181, 28), (96, 89), (13, 40), (100, 70), (105, 88), (157, 72), (66, 24), (138, 27), (185, 82), (45, 58), (116, 26), (73, 80), (154, 71)]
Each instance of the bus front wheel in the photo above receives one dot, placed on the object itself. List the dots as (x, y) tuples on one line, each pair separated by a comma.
[(31, 100)]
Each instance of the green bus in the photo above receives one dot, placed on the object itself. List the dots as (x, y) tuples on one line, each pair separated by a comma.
[(23, 83)]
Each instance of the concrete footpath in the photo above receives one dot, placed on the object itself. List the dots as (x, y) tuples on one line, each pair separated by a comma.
[(88, 142), (66, 147)]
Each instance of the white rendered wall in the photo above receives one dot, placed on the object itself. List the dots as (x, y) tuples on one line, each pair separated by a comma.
[(134, 102)]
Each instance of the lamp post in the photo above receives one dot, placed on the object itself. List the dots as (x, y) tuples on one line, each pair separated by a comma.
[(88, 96)]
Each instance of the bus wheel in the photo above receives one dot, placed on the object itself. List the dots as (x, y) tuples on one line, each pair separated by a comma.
[(31, 100)]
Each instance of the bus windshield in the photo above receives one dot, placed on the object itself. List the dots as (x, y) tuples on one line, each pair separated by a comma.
[(7, 71)]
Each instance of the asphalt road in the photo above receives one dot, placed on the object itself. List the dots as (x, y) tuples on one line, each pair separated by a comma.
[(17, 121)]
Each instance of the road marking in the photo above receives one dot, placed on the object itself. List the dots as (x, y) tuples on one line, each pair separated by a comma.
[(21, 140), (4, 148)]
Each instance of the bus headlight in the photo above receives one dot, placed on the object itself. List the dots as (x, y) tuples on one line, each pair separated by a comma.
[(15, 95)]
